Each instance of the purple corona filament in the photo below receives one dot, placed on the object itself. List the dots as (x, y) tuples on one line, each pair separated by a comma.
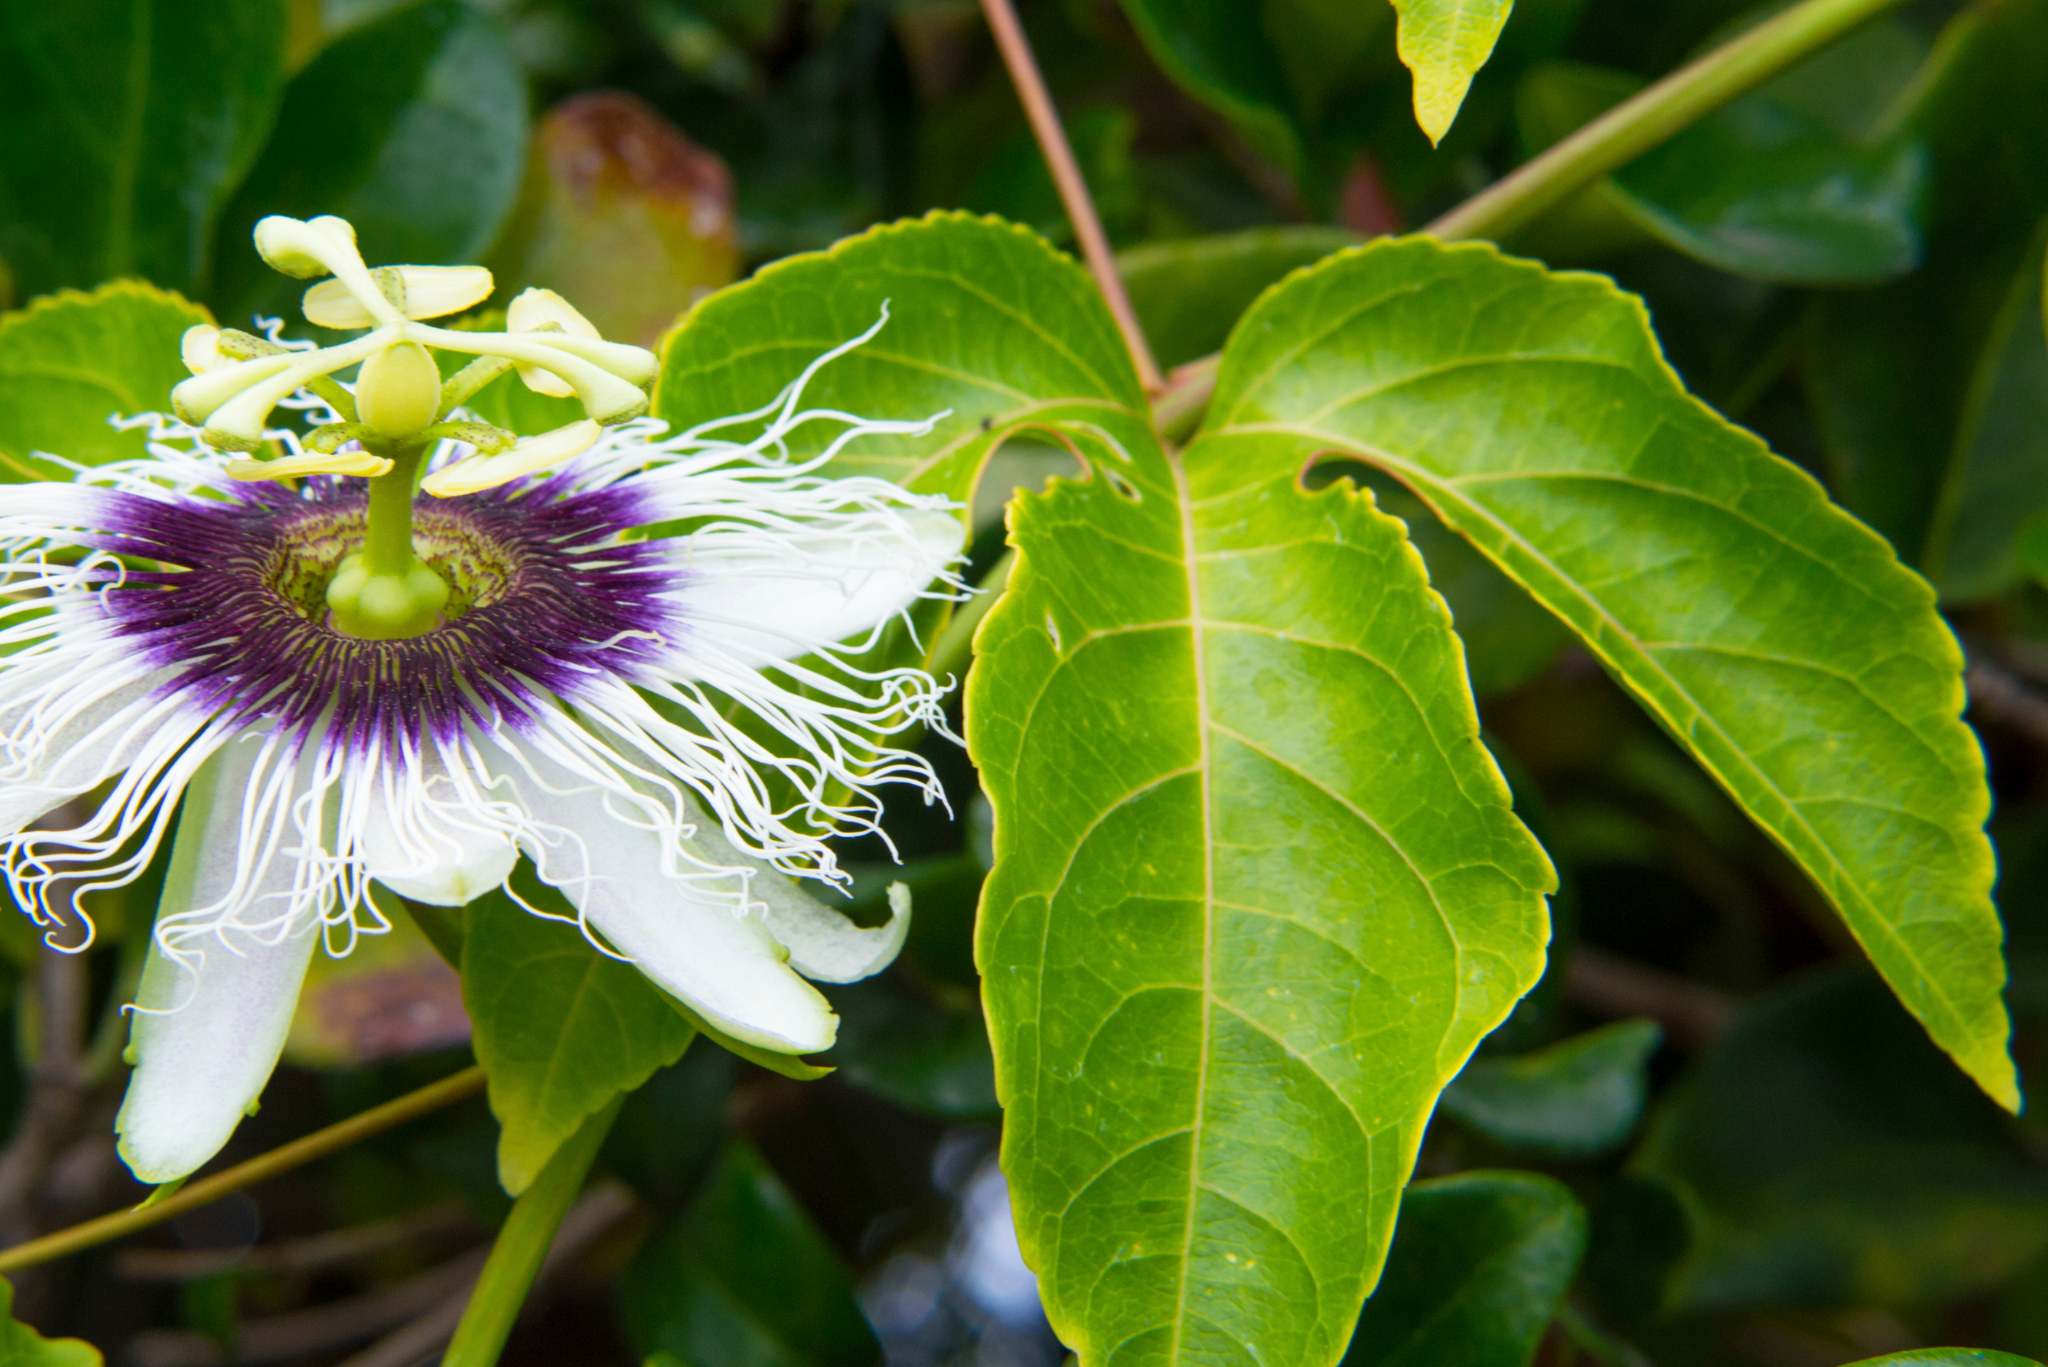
[(555, 603), (651, 687)]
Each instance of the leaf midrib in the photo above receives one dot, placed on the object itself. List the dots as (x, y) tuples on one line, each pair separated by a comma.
[(1204, 764)]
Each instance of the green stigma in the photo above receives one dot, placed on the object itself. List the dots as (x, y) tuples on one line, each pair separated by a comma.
[(400, 407)]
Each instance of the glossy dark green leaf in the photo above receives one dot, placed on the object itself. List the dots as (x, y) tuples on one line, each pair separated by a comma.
[(1189, 293), (1579, 1097), (919, 1053), (744, 1279), (560, 1029), (130, 123), (1825, 1156), (1775, 637), (411, 127), (1947, 1357), (21, 1346), (1479, 1265), (71, 361), (1771, 187), (1891, 372), (1336, 993), (1221, 53), (1994, 489)]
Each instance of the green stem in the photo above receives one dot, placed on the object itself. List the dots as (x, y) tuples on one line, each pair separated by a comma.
[(284, 1158), (949, 653), (522, 1243), (1634, 126), (387, 541), (1609, 142)]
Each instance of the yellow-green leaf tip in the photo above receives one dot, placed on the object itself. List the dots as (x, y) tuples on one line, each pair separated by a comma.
[(1443, 43)]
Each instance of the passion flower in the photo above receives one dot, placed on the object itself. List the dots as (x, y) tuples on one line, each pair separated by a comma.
[(405, 648)]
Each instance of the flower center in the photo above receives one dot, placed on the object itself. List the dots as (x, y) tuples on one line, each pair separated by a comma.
[(309, 549), (544, 599)]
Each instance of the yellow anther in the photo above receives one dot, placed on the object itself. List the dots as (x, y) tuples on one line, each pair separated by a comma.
[(539, 310), (200, 349), (415, 291), (360, 463), (473, 474)]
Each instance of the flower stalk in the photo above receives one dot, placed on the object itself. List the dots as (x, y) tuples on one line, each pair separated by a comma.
[(522, 1245)]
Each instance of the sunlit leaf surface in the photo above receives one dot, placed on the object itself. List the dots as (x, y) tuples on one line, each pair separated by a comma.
[(1776, 638), (71, 361)]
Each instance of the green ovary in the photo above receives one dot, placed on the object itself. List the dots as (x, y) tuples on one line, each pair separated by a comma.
[(385, 605)]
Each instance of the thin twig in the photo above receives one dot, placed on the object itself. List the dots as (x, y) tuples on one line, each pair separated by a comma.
[(1186, 398), (2003, 696), (314, 1253), (318, 1330), (1066, 177), (56, 1090), (1613, 986), (284, 1158)]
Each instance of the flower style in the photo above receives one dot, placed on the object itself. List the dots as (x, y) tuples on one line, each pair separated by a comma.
[(632, 656)]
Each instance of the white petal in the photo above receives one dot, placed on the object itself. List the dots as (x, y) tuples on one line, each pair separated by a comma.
[(90, 746), (687, 934), (441, 858), (806, 590), (823, 944), (202, 1062)]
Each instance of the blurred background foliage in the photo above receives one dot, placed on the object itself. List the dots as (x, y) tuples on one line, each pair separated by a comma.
[(1708, 1137)]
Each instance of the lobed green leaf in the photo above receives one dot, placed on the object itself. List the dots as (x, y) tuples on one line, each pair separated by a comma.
[(1257, 895), (1776, 638), (1243, 836), (70, 361), (559, 1028)]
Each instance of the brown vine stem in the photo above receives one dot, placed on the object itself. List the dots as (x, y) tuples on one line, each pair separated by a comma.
[(1066, 177), (283, 1158)]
